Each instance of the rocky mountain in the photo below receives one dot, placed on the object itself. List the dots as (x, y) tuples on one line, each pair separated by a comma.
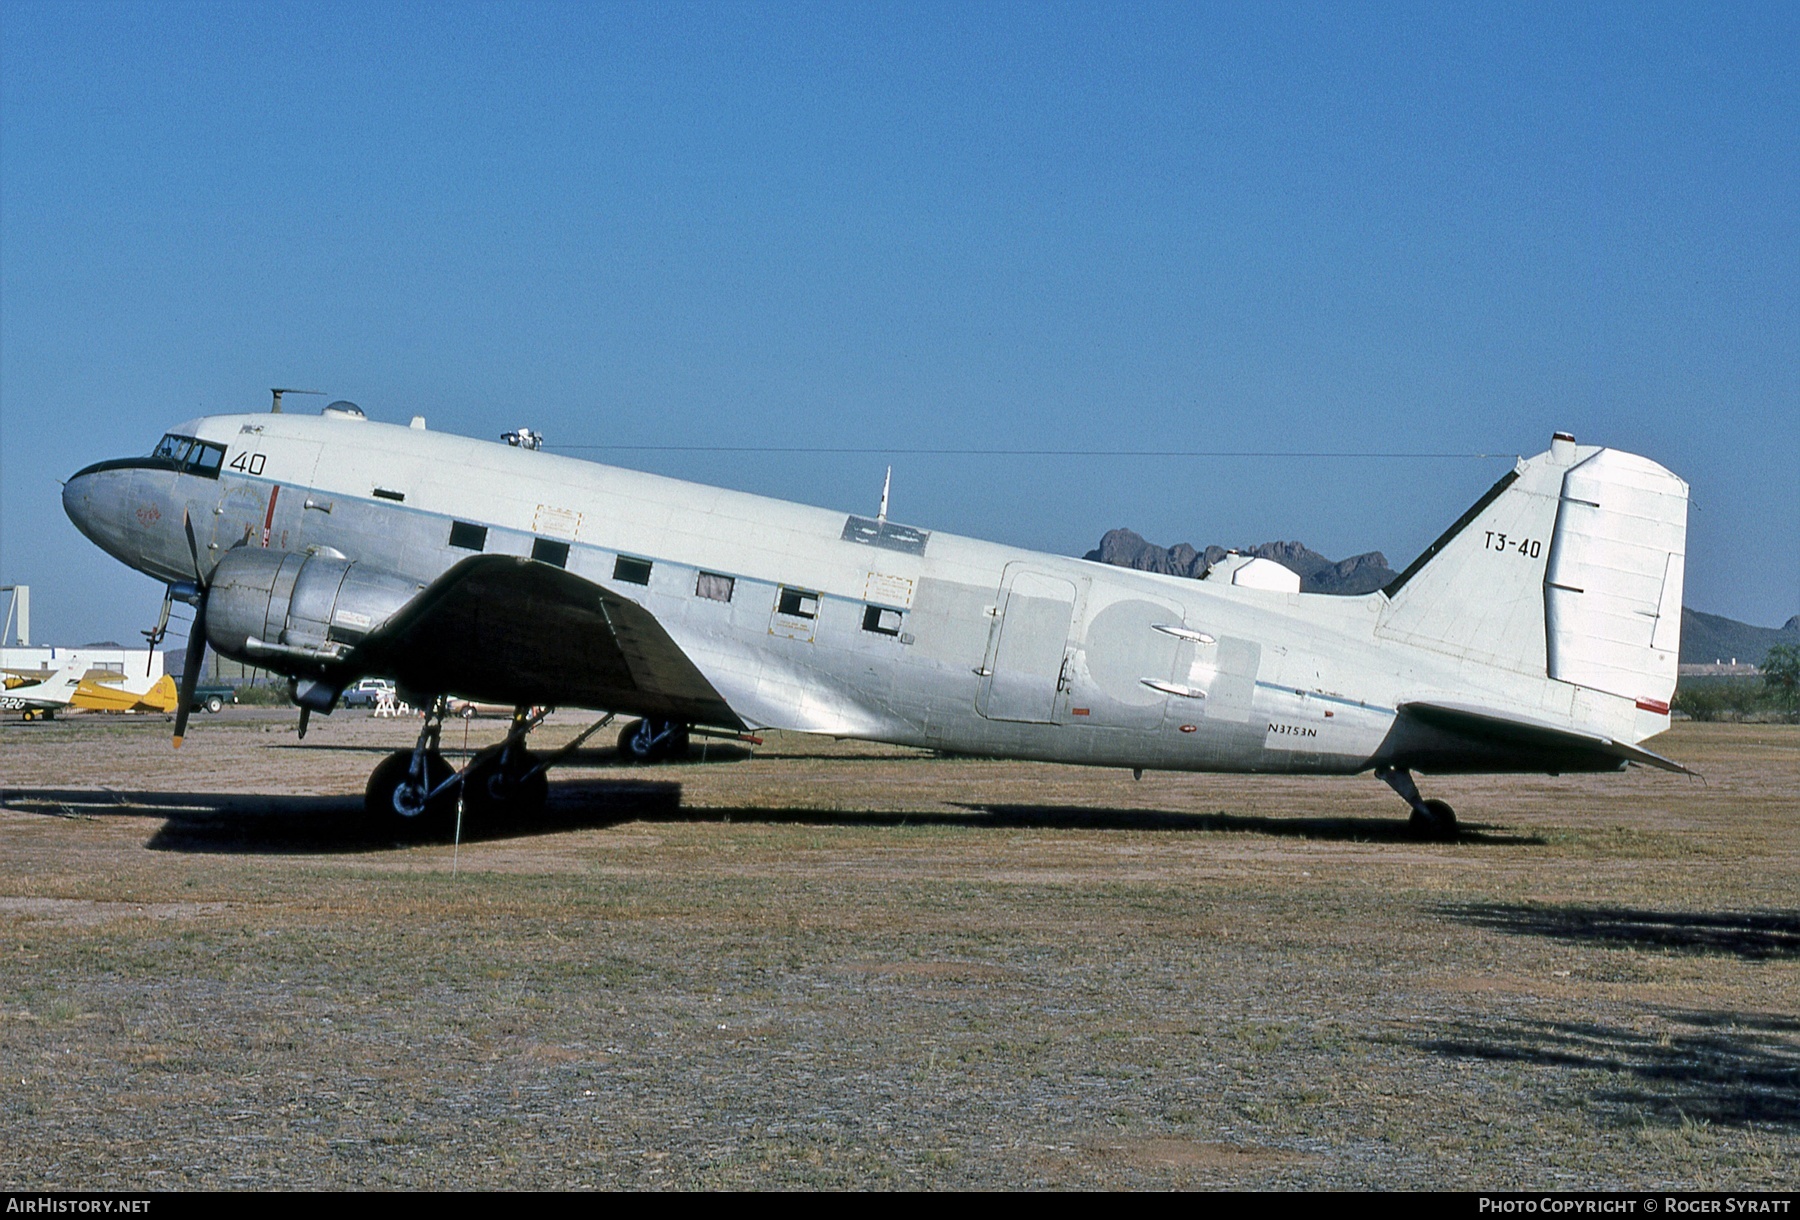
[(1705, 638), (1357, 574)]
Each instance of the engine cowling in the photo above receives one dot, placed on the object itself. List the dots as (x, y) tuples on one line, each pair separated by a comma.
[(293, 611)]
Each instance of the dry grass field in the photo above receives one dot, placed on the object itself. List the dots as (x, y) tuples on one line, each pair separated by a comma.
[(837, 965)]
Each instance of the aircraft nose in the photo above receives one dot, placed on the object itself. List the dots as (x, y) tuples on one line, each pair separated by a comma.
[(96, 500)]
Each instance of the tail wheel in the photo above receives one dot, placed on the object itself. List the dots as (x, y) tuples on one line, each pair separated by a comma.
[(1433, 820), (403, 802)]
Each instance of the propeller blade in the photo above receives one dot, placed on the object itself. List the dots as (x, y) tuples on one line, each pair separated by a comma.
[(187, 525), (190, 669)]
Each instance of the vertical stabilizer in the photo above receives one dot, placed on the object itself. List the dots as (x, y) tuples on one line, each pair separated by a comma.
[(56, 690), (1568, 571), (1612, 592), (1477, 593)]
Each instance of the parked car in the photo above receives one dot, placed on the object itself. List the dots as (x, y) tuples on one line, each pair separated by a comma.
[(468, 709), (213, 698), (368, 692)]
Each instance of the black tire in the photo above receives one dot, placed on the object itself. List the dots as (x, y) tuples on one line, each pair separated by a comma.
[(634, 745), (492, 791), (1436, 821), (391, 798), (653, 741), (214, 704)]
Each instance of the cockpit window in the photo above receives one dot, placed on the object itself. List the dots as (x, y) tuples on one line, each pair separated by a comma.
[(189, 455), (206, 458), (172, 446)]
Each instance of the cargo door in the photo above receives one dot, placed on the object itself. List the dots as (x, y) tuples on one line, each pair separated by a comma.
[(1022, 677)]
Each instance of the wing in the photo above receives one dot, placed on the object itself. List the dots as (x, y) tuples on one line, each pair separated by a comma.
[(1449, 737), (504, 629)]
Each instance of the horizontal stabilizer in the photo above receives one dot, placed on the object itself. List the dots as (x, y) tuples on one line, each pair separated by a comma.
[(1510, 732)]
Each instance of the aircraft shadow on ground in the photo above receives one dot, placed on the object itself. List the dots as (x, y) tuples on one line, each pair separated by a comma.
[(1752, 935), (254, 824), (976, 816), (1374, 830), (1729, 1068), (250, 823)]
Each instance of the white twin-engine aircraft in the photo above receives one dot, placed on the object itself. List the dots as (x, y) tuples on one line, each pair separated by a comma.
[(1539, 634)]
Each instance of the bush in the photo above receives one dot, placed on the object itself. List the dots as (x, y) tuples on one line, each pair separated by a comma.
[(263, 695), (1781, 676), (1727, 698)]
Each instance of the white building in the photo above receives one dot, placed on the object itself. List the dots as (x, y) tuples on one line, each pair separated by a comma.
[(36, 662)]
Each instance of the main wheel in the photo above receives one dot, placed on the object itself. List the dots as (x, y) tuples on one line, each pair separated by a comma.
[(405, 805), (1435, 821), (511, 789)]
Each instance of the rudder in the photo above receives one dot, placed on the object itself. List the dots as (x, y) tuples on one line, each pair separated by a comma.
[(1612, 589)]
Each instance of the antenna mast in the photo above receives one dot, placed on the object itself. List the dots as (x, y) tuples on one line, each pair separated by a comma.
[(276, 409)]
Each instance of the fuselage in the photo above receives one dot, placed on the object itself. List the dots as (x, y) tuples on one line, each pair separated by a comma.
[(811, 619)]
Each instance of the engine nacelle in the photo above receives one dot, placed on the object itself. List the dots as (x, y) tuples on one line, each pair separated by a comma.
[(295, 612)]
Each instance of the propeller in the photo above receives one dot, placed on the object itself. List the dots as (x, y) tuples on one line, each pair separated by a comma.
[(196, 642)]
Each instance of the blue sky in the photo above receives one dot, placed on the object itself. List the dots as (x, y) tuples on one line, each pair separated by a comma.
[(1358, 229)]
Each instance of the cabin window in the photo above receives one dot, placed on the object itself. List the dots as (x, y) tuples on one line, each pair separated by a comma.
[(631, 571), (388, 493), (714, 587), (468, 536), (880, 621), (556, 554), (800, 603)]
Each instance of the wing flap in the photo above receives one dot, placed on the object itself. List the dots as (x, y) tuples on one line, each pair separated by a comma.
[(505, 629)]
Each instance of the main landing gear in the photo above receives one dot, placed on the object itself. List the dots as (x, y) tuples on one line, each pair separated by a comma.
[(416, 792), (1430, 819)]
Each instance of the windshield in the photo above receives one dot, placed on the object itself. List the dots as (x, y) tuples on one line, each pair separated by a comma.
[(172, 446), (190, 455)]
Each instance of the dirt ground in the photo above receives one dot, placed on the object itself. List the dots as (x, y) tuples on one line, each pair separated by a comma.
[(827, 964)]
